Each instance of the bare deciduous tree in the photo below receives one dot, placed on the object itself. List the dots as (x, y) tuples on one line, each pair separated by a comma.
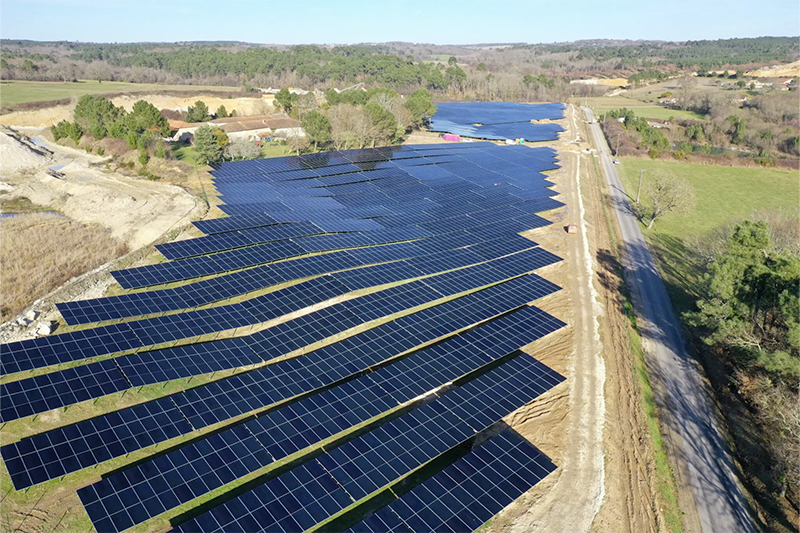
[(668, 195)]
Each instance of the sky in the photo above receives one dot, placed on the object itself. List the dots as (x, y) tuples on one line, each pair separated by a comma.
[(418, 21)]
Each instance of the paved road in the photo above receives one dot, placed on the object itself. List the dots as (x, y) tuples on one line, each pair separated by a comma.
[(720, 504)]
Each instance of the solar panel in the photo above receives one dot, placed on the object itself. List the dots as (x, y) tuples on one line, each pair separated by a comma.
[(466, 494), (38, 394), (299, 425), (379, 457), (46, 351)]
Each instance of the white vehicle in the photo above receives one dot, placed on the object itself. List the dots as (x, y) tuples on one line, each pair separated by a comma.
[(616, 161)]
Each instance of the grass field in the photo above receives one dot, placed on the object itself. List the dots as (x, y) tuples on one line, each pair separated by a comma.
[(643, 109), (20, 92), (723, 195)]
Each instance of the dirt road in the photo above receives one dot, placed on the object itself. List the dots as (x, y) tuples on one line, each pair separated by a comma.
[(594, 428), (689, 414)]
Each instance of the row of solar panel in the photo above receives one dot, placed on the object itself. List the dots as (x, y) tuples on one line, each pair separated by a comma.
[(329, 163), (60, 451), (194, 470), (301, 232), (515, 130), (56, 349), (49, 391), (466, 204), (497, 112), (316, 490), (342, 157), (400, 188), (264, 253), (466, 494)]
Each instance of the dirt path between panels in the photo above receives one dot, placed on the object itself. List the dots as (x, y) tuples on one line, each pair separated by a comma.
[(593, 428)]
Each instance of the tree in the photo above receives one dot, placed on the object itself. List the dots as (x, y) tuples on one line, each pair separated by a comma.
[(668, 195), (222, 137), (221, 112), (242, 149), (297, 143), (767, 136), (750, 302), (96, 114), (481, 67), (738, 128), (317, 128), (304, 103), (207, 145), (420, 105), (384, 125), (285, 99), (741, 84), (686, 82), (145, 116), (198, 112)]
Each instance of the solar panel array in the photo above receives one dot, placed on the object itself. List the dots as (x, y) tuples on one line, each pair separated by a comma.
[(498, 120), (467, 493), (402, 291)]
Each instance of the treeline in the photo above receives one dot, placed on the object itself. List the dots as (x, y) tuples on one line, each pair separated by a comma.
[(143, 127), (765, 129), (690, 54), (346, 120)]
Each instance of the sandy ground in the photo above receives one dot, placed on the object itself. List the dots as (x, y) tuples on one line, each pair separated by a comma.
[(789, 70), (41, 118), (136, 211)]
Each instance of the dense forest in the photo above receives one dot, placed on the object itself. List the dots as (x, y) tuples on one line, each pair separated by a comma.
[(691, 54), (487, 72)]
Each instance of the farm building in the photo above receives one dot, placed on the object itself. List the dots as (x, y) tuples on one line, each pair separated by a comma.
[(253, 128)]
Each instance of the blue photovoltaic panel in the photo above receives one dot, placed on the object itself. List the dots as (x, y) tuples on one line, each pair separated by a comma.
[(38, 394), (442, 197), (220, 225), (469, 492), (54, 453), (227, 286), (237, 239), (222, 399), (185, 473), (55, 349), (386, 453)]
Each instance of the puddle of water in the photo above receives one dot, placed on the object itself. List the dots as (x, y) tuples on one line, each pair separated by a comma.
[(12, 215)]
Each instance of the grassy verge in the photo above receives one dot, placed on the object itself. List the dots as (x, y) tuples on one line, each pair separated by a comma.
[(665, 480)]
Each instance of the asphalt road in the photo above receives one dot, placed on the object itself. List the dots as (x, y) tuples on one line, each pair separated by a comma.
[(721, 506)]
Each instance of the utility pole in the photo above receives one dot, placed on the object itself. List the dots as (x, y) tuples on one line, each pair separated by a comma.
[(639, 190)]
